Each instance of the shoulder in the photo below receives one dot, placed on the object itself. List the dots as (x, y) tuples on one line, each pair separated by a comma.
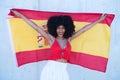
[(51, 39), (69, 39)]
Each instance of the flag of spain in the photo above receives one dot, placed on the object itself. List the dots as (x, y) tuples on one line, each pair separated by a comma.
[(90, 50)]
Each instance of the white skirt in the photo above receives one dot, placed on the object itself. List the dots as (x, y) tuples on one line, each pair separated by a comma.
[(54, 70)]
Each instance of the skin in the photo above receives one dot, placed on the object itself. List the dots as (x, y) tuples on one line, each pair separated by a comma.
[(60, 31)]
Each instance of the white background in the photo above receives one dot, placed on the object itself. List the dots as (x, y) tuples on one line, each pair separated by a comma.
[(8, 65)]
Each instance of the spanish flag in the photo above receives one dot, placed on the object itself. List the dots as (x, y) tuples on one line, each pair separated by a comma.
[(90, 50)]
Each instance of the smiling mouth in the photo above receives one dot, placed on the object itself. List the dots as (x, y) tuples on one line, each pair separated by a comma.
[(60, 33)]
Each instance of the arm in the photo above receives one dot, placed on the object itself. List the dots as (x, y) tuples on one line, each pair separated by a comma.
[(32, 24), (87, 27)]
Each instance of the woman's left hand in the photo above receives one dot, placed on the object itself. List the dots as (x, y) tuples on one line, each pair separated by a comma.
[(102, 17)]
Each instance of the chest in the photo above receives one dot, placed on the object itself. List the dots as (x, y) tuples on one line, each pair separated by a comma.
[(61, 43)]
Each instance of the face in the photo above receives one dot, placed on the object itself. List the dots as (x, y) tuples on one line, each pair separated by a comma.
[(60, 31)]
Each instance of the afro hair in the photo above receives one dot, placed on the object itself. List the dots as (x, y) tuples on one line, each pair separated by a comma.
[(64, 20)]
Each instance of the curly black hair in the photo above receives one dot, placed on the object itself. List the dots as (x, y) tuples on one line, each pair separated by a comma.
[(64, 20)]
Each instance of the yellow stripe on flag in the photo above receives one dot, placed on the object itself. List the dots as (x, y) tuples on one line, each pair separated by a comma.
[(91, 42)]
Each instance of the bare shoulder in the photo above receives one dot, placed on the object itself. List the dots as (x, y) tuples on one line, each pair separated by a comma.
[(69, 39), (51, 39)]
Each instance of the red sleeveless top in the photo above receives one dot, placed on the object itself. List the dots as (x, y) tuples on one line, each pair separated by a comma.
[(56, 51)]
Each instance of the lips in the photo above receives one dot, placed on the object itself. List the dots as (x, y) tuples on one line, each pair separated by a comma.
[(60, 33)]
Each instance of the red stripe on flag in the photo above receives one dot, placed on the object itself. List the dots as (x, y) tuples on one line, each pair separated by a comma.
[(25, 57), (86, 60), (83, 17), (89, 61)]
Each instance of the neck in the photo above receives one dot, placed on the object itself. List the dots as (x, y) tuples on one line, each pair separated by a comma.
[(60, 38)]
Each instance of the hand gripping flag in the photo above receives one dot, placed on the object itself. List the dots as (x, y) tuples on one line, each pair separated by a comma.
[(90, 50)]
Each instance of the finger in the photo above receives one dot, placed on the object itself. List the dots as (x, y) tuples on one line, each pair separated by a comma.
[(103, 15)]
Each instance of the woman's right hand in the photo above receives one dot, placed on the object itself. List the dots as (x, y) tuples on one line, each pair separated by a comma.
[(16, 13)]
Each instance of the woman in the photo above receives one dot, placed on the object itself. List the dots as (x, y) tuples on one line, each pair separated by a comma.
[(60, 33)]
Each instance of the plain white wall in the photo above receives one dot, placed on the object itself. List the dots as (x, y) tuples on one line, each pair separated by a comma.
[(8, 66)]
